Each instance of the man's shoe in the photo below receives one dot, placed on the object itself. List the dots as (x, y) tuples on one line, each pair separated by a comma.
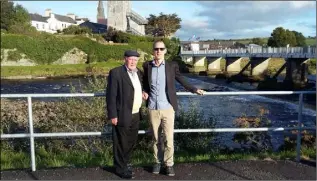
[(130, 169), (156, 168), (126, 175), (170, 171)]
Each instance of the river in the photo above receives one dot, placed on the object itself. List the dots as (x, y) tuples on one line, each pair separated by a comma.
[(225, 109)]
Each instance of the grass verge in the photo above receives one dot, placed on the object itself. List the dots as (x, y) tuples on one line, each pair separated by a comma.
[(100, 68), (75, 158)]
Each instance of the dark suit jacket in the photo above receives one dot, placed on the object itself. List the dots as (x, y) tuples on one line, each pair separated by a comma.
[(171, 73), (120, 95)]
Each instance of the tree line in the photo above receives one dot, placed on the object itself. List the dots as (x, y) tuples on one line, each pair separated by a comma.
[(281, 37)]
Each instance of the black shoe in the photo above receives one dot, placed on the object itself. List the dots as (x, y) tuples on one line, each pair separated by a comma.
[(170, 171), (156, 168), (130, 169), (126, 175)]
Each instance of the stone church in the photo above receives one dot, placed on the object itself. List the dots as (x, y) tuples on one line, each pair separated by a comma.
[(120, 16)]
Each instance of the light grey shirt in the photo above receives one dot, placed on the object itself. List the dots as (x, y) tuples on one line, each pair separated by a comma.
[(158, 98)]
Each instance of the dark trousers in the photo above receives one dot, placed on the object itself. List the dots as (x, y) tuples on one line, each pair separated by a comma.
[(124, 139)]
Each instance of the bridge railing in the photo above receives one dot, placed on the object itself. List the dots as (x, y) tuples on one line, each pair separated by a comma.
[(252, 50), (31, 135), (136, 17)]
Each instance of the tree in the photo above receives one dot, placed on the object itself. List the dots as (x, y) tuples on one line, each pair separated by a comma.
[(281, 38), (300, 38), (290, 38), (162, 25), (7, 13), (258, 41), (15, 19), (21, 15)]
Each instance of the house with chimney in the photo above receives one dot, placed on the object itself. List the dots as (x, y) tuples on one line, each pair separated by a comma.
[(52, 22)]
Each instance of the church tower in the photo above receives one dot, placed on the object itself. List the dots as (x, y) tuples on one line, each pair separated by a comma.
[(101, 14), (117, 14)]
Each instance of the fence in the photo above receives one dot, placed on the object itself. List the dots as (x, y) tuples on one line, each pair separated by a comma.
[(33, 135)]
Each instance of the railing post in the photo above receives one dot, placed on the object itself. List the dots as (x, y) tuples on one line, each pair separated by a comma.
[(31, 133), (299, 133)]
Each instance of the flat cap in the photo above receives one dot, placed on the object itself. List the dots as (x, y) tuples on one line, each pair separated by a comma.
[(131, 53)]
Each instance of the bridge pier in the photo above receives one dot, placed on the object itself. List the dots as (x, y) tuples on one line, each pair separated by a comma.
[(296, 71), (199, 64), (213, 65), (233, 65), (259, 65), (187, 59)]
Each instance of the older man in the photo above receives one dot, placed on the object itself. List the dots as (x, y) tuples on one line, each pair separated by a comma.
[(160, 92), (124, 100)]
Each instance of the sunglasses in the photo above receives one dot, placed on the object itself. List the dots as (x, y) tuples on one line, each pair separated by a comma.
[(156, 49)]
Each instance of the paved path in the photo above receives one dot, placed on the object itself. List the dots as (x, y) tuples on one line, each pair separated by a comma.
[(226, 170)]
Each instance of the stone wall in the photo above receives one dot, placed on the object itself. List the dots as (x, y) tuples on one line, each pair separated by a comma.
[(23, 61), (74, 56)]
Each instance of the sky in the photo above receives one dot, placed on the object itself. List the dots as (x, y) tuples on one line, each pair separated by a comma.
[(207, 19)]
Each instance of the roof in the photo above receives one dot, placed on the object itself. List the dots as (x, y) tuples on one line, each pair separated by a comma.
[(96, 26), (64, 18), (37, 17)]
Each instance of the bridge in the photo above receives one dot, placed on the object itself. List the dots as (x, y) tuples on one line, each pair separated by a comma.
[(296, 59)]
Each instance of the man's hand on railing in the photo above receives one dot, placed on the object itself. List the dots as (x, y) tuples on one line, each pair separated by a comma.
[(200, 92)]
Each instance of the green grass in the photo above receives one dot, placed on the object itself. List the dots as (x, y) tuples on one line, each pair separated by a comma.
[(100, 68), (74, 158), (311, 41)]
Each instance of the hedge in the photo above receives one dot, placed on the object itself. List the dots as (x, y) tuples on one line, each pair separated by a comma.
[(46, 48)]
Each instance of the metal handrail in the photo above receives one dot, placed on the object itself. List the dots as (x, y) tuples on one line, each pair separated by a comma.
[(291, 52), (33, 135), (137, 17)]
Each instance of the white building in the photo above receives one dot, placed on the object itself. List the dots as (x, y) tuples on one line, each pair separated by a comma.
[(52, 22), (39, 22)]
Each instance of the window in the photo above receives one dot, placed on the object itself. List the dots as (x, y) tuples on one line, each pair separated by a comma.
[(43, 25), (37, 26)]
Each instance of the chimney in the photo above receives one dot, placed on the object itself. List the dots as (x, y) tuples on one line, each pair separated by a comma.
[(48, 12), (52, 15), (71, 15)]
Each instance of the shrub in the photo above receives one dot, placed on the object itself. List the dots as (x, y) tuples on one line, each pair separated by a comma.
[(76, 30), (25, 29), (2, 55), (253, 141), (14, 56)]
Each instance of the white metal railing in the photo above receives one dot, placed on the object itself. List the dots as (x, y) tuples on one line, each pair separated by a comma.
[(138, 18), (33, 135), (295, 52)]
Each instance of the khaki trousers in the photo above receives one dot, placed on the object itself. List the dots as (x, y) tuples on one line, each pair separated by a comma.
[(163, 121)]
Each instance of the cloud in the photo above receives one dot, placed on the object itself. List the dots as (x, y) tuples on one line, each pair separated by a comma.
[(242, 19)]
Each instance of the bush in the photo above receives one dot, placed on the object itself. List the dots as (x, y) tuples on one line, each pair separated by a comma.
[(25, 29), (76, 30), (14, 56), (253, 141), (194, 142), (2, 55)]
